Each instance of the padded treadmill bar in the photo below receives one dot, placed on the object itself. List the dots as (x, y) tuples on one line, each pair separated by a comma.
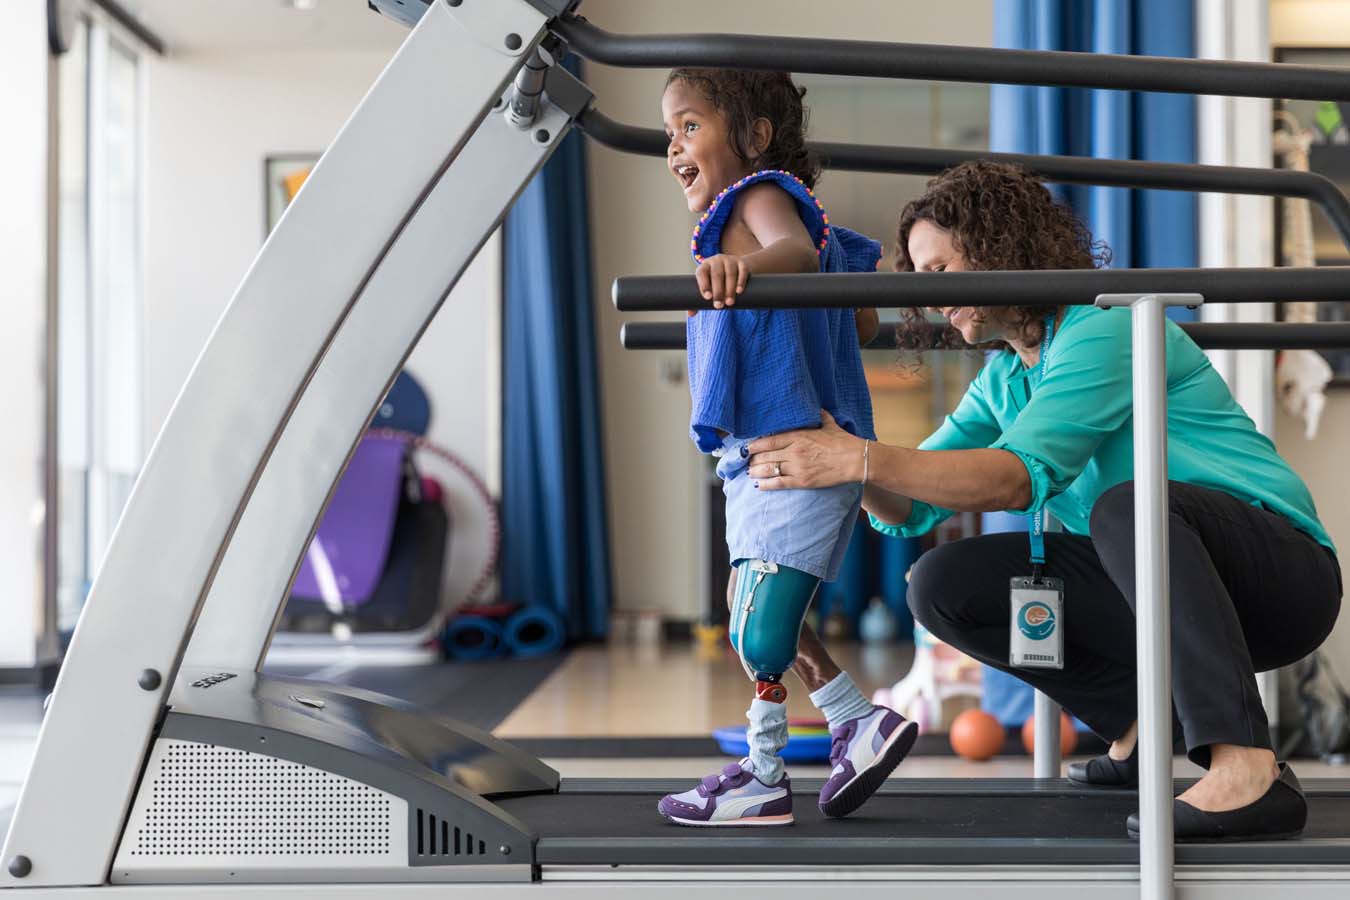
[(936, 62), (1316, 189), (928, 822)]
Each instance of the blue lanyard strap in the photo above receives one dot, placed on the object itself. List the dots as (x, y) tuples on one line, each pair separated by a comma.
[(1036, 531)]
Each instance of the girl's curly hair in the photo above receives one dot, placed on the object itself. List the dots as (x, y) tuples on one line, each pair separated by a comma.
[(1000, 217), (744, 96)]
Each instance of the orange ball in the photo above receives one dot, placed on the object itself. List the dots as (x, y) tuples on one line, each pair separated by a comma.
[(976, 735), (1068, 737)]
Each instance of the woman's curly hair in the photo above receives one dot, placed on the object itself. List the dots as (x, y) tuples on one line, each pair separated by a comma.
[(1000, 217), (744, 96)]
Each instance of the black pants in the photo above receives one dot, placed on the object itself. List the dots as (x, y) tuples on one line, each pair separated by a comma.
[(1249, 592)]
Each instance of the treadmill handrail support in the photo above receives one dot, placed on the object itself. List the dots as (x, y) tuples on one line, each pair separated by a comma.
[(227, 419)]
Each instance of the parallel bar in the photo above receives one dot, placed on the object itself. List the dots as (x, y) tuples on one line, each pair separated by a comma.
[(946, 63), (1069, 287), (1309, 186), (1209, 335)]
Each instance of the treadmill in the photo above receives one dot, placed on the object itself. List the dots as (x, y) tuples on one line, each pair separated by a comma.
[(168, 766)]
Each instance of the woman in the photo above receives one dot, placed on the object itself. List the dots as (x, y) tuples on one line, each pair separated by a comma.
[(1255, 583)]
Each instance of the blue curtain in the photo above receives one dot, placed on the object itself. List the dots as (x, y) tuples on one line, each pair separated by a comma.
[(1143, 228), (555, 538)]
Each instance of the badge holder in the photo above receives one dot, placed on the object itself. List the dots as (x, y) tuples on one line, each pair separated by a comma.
[(1036, 640), (1036, 630)]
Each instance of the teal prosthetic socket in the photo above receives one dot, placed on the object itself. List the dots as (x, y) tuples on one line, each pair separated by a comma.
[(767, 615)]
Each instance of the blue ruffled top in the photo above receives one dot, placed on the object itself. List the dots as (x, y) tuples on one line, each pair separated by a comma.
[(755, 372)]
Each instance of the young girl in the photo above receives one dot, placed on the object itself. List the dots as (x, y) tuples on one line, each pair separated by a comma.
[(738, 151)]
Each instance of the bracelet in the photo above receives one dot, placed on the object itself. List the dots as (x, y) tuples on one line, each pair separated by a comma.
[(866, 446)]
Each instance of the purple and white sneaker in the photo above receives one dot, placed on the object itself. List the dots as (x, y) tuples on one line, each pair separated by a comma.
[(864, 751), (735, 797)]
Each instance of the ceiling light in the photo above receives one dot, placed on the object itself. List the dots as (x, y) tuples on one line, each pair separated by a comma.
[(302, 5)]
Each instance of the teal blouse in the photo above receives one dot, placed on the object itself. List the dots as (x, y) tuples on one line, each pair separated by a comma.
[(1075, 431)]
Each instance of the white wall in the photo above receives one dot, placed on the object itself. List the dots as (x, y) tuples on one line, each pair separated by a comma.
[(1321, 462), (640, 225), (1309, 23), (213, 117), (23, 299)]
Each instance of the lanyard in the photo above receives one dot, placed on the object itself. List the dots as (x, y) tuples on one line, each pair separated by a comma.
[(1036, 531)]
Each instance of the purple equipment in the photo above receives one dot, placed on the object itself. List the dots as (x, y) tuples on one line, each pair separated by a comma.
[(347, 556)]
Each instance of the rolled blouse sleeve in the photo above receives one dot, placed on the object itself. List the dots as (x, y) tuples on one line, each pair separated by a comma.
[(1082, 398), (972, 425)]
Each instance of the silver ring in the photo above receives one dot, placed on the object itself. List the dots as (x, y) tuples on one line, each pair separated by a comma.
[(777, 470)]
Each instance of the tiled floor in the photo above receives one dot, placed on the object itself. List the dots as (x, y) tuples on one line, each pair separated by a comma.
[(664, 689), (633, 691)]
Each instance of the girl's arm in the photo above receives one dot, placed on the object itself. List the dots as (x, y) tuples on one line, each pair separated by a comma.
[(868, 324), (771, 215), (774, 240)]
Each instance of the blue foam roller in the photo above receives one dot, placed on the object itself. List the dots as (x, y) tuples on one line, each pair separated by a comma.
[(473, 637), (801, 748), (534, 631)]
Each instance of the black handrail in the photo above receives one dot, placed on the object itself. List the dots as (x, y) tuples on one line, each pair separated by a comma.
[(1209, 335), (1061, 287), (938, 62), (1309, 186)]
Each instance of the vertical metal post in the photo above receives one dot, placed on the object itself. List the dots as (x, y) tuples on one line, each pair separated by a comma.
[(1045, 763), (1152, 602), (1045, 757)]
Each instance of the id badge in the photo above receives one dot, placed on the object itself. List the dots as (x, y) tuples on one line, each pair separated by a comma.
[(1036, 639)]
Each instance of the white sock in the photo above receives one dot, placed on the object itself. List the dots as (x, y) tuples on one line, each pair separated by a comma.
[(767, 736), (840, 700)]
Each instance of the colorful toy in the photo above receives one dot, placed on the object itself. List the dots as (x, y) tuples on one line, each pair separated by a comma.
[(976, 735), (808, 741), (1068, 736)]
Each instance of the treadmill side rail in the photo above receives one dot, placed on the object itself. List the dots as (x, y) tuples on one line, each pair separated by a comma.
[(243, 387), (250, 589)]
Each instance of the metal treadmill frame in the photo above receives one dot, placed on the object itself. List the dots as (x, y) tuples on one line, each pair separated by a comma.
[(273, 406)]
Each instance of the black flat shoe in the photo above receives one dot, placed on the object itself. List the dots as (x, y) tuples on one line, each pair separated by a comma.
[(1105, 772), (1281, 812)]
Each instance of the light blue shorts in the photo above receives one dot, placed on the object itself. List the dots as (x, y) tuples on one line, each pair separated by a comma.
[(805, 529)]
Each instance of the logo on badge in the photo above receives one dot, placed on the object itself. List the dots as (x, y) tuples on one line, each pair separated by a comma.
[(1036, 621)]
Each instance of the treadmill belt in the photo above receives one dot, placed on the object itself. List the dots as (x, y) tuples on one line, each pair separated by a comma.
[(1035, 823)]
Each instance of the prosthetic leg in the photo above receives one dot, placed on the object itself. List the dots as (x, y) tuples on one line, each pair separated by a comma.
[(766, 619)]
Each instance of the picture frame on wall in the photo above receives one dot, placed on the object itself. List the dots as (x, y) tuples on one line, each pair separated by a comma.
[(283, 175), (1327, 124)]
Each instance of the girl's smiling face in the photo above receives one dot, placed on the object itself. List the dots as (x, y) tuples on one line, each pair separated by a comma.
[(699, 155)]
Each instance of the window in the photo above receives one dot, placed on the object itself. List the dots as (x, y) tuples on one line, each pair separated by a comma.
[(100, 300)]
